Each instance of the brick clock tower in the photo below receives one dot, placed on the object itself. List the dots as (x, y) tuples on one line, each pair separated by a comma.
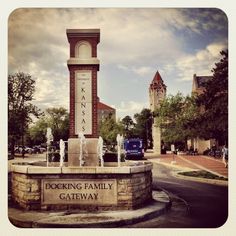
[(157, 92), (83, 66)]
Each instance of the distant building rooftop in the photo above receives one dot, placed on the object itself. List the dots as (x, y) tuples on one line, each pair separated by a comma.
[(199, 82), (102, 106)]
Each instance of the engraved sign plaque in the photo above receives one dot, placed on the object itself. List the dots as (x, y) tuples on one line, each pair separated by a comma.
[(73, 191), (83, 102)]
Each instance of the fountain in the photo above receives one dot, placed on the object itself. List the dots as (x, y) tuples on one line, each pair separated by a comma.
[(81, 182), (100, 151), (49, 137), (100, 187), (83, 149), (62, 152)]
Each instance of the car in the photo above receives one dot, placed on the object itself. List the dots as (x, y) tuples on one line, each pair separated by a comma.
[(38, 149), (18, 149), (104, 149), (28, 150)]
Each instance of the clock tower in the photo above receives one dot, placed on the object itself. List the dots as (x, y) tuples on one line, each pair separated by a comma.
[(157, 93)]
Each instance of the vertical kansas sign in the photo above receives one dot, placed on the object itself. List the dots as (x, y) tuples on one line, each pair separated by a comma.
[(83, 102)]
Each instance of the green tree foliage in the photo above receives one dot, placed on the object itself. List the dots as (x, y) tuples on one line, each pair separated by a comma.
[(128, 125), (143, 127), (55, 118), (175, 117), (213, 122), (21, 88), (108, 130), (58, 120), (37, 132)]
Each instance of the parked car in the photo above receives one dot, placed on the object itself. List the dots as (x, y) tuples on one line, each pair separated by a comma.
[(104, 149), (28, 150), (38, 149), (18, 149)]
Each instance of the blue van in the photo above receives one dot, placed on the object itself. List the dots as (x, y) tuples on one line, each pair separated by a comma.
[(134, 148)]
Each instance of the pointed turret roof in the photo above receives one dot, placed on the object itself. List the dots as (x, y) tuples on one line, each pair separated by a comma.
[(157, 78), (157, 82)]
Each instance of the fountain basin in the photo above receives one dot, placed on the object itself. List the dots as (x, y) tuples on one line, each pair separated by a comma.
[(85, 188)]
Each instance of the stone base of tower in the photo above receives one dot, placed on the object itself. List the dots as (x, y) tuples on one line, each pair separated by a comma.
[(156, 135), (90, 154)]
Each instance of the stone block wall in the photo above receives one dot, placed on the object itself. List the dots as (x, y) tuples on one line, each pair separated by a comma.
[(26, 191), (91, 157), (133, 190)]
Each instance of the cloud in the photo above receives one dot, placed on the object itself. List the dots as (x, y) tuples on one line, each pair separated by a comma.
[(135, 41), (200, 63), (144, 70), (129, 107), (141, 71)]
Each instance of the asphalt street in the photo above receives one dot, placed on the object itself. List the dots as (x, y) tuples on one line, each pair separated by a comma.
[(194, 204)]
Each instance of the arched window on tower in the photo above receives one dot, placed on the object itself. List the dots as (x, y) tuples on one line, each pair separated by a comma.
[(83, 50)]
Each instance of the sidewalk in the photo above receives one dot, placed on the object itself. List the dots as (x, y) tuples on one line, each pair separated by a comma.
[(81, 219), (215, 166)]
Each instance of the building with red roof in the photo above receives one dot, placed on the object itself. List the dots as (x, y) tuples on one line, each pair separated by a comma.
[(104, 111)]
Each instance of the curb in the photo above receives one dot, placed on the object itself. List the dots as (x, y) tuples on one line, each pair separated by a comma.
[(174, 166), (202, 180), (159, 205), (202, 167), (196, 179)]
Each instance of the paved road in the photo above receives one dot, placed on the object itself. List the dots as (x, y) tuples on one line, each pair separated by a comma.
[(195, 205)]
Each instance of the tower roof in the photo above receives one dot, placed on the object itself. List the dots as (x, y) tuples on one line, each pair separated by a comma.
[(83, 33), (157, 78), (157, 82)]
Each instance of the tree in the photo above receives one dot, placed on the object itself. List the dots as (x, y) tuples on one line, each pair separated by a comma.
[(37, 132), (175, 117), (108, 130), (143, 127), (21, 88), (128, 124), (57, 119), (213, 121)]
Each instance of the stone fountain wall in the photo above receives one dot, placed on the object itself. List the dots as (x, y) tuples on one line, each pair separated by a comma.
[(107, 188), (91, 152)]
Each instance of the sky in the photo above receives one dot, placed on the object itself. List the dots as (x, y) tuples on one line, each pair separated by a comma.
[(134, 44)]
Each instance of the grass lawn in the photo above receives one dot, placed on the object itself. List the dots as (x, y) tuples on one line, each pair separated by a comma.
[(203, 174)]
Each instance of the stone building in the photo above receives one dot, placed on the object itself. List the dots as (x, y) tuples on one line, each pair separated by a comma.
[(198, 88), (198, 83), (157, 92)]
